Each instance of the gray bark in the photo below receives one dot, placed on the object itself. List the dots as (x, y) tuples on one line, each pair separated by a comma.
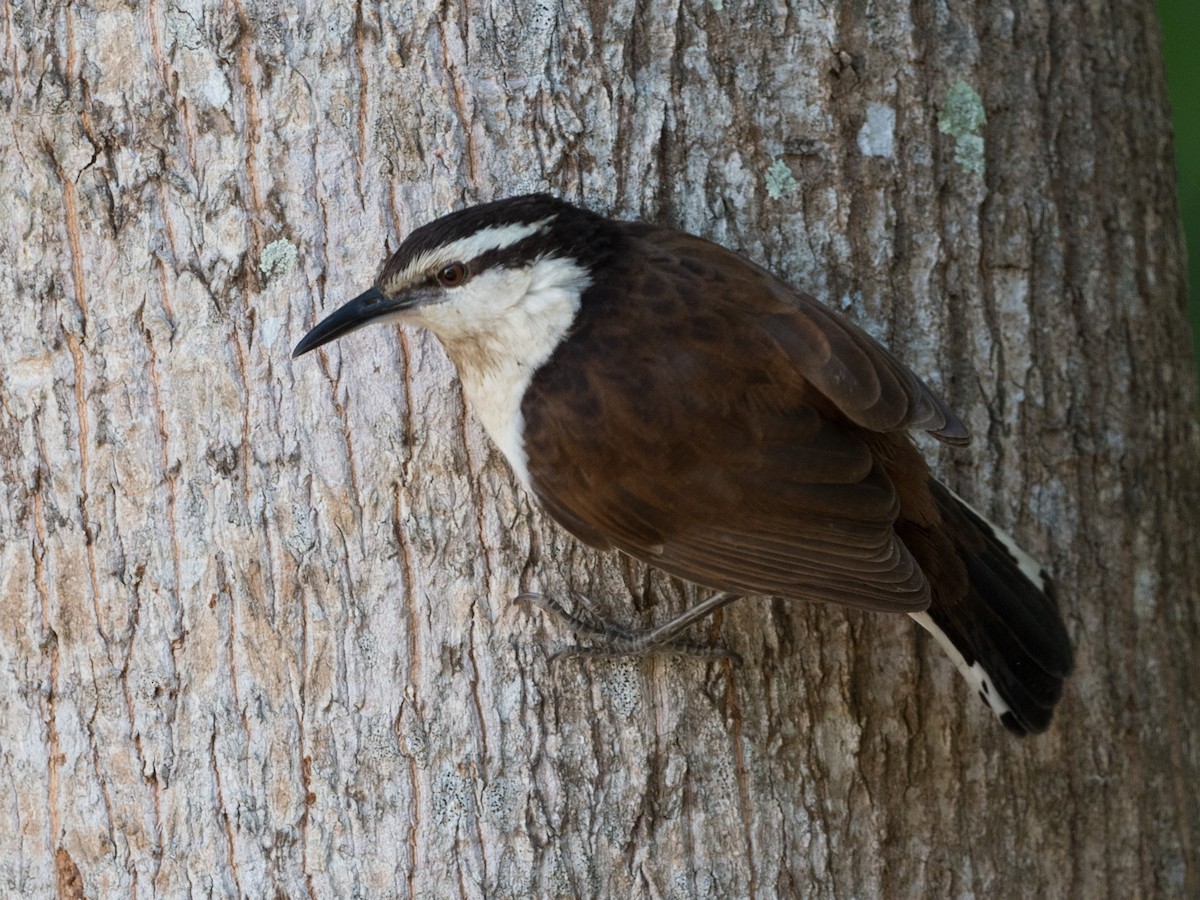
[(256, 635)]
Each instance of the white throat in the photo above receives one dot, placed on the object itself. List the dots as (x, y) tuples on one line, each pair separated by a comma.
[(499, 328)]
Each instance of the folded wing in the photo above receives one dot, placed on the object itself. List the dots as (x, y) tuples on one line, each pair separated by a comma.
[(736, 454)]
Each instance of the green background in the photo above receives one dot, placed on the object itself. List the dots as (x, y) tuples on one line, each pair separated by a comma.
[(1181, 46)]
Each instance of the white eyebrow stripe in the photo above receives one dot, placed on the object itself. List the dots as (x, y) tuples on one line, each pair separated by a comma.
[(497, 237)]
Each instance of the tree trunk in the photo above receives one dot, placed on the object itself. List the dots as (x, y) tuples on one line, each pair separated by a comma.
[(258, 636)]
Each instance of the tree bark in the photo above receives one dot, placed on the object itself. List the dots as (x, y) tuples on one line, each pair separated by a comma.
[(257, 632)]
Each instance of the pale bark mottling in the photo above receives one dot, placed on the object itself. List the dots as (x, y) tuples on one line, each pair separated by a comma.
[(256, 630)]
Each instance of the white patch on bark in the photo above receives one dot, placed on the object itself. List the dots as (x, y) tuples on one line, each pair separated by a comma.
[(877, 137)]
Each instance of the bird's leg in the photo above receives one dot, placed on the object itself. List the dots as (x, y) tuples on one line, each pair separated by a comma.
[(618, 640)]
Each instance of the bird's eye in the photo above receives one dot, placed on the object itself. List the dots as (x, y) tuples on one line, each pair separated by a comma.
[(453, 275)]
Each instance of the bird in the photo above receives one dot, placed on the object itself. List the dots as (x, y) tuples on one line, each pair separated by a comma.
[(666, 397)]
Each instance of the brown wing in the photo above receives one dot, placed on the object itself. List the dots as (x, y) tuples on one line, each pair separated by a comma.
[(734, 454), (850, 368)]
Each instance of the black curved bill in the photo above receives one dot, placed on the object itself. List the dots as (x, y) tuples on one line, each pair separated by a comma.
[(360, 311)]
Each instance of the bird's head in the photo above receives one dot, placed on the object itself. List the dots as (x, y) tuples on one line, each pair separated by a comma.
[(477, 273)]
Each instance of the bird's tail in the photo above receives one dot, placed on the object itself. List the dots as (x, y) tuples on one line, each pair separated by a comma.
[(1004, 632)]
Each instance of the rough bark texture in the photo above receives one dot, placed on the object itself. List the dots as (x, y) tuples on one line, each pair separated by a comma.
[(256, 635)]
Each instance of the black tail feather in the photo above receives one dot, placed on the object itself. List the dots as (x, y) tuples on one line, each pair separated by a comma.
[(1005, 632)]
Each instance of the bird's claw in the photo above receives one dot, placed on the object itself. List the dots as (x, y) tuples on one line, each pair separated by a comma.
[(613, 640)]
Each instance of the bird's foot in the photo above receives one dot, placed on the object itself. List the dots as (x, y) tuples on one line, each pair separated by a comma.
[(612, 639)]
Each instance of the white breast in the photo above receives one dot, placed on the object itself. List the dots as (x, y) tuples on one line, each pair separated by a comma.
[(496, 398), (499, 328)]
